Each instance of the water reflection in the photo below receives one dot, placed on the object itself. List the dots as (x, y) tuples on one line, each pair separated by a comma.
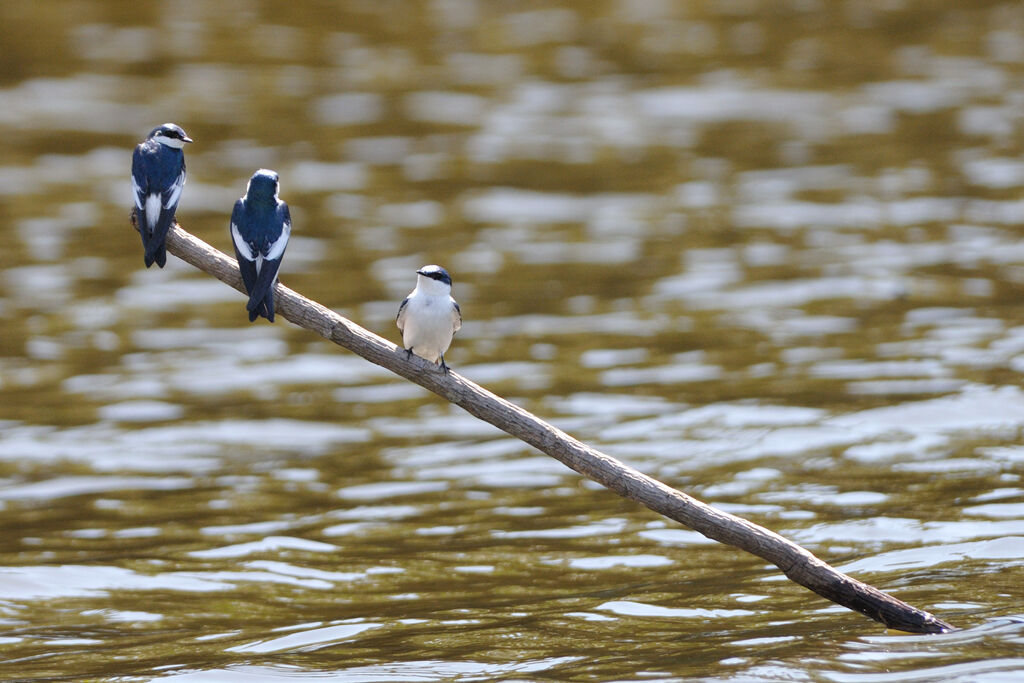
[(768, 255)]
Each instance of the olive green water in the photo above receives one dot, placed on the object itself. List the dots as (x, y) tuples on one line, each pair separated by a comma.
[(768, 252)]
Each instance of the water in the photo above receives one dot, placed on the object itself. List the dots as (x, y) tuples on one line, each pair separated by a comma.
[(766, 253)]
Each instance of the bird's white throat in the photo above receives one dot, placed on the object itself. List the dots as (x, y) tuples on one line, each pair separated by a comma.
[(173, 143), (432, 287)]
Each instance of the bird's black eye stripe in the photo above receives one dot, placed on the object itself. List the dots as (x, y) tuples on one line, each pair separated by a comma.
[(439, 275)]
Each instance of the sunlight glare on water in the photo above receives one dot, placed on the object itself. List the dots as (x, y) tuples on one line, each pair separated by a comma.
[(766, 253)]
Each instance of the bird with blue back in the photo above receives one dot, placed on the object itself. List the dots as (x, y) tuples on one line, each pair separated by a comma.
[(158, 176), (260, 227)]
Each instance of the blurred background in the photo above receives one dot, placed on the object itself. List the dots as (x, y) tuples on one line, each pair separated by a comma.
[(768, 252)]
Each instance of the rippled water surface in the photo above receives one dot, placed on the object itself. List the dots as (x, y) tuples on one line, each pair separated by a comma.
[(768, 252)]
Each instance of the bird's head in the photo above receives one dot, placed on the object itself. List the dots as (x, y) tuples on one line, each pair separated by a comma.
[(435, 273), (171, 135), (263, 186)]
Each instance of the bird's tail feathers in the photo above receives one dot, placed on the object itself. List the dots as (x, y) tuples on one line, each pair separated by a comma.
[(262, 289), (262, 310), (155, 253), (156, 249), (261, 300), (263, 307)]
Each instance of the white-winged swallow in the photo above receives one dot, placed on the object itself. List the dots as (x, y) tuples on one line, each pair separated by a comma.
[(260, 227), (429, 317), (158, 175)]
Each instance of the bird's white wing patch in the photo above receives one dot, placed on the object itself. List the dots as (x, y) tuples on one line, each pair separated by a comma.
[(137, 193), (175, 191), (241, 244), (276, 250)]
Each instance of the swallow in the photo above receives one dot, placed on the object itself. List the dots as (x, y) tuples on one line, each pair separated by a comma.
[(260, 227), (429, 317), (158, 176)]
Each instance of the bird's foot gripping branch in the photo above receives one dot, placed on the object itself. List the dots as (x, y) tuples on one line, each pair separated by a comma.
[(797, 563)]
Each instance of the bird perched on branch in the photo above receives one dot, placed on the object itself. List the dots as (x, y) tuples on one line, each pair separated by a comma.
[(260, 227), (158, 174), (429, 317)]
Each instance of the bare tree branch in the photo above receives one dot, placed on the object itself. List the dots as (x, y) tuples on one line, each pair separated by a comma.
[(797, 563)]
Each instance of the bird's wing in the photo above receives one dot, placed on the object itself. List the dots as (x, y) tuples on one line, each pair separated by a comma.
[(248, 270), (403, 309), (243, 253), (275, 250), (139, 218), (138, 179), (242, 248), (456, 317), (172, 194)]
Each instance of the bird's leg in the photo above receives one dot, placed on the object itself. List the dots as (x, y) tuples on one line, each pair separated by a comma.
[(408, 354), (444, 366)]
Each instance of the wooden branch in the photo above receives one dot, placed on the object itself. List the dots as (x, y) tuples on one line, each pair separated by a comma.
[(797, 563)]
